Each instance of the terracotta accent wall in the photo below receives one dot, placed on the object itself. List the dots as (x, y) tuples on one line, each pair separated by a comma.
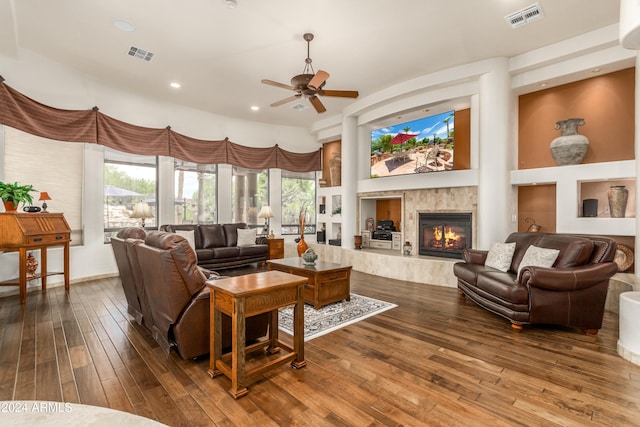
[(462, 155), (390, 209), (538, 202), (605, 102)]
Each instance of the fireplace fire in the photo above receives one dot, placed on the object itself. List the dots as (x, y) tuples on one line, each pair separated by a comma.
[(444, 234)]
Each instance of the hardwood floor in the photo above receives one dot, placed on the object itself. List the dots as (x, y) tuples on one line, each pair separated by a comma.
[(433, 360)]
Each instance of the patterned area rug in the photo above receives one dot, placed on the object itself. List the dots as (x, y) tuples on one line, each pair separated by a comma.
[(332, 316)]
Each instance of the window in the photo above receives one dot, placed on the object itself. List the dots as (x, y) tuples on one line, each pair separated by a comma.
[(195, 193), (298, 195), (51, 166), (128, 179), (250, 190)]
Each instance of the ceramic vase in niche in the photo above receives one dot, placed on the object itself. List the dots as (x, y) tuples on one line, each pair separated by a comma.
[(617, 196), (570, 147)]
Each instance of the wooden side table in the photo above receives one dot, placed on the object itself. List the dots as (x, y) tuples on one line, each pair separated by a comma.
[(276, 248), (245, 296)]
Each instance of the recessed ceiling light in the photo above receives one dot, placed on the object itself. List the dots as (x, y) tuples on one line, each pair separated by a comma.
[(232, 4), (543, 84), (255, 108), (124, 26), (175, 85), (596, 70)]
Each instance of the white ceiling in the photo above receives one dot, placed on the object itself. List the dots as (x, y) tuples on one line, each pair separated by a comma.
[(219, 55)]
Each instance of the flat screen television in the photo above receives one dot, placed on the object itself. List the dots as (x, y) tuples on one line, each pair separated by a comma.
[(419, 146)]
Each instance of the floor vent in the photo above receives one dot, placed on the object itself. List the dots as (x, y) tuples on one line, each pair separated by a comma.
[(140, 53), (525, 16)]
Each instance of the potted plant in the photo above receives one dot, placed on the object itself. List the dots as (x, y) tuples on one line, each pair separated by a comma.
[(14, 194)]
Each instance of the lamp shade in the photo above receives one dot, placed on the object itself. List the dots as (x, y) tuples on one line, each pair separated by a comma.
[(265, 212), (141, 210), (44, 196)]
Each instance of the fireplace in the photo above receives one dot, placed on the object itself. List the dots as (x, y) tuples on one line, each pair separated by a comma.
[(444, 234)]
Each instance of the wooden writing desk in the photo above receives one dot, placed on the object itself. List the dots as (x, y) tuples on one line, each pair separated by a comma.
[(23, 232), (245, 296)]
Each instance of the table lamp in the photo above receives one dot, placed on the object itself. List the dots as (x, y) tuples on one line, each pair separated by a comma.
[(265, 213), (141, 210), (44, 196)]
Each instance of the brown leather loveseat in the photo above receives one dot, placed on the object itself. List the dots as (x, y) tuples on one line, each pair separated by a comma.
[(217, 247), (169, 290), (571, 292)]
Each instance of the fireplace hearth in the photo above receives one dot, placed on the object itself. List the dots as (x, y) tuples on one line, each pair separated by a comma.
[(444, 234)]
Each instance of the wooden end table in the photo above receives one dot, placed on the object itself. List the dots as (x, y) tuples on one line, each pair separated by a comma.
[(328, 282), (245, 296)]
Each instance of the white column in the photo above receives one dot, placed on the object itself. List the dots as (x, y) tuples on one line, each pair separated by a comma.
[(494, 220), (349, 179), (225, 176), (636, 138)]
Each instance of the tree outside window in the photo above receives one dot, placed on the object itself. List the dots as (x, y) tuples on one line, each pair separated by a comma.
[(195, 193), (249, 192), (298, 195), (128, 179)]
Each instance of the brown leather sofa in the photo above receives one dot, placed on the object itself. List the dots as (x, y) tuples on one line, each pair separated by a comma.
[(172, 294), (216, 245), (571, 293)]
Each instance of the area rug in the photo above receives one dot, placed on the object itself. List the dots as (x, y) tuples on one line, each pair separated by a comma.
[(332, 316)]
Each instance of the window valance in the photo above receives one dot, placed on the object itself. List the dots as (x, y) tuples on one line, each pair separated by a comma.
[(92, 126)]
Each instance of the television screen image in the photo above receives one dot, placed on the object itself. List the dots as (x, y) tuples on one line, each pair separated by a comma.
[(420, 146)]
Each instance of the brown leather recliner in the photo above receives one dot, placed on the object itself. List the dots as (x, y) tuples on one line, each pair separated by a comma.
[(179, 297), (130, 274)]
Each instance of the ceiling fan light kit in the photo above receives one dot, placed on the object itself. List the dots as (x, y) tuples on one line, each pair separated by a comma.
[(310, 84)]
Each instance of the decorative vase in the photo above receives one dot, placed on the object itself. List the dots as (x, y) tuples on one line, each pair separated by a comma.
[(302, 246), (335, 170), (357, 241), (407, 248), (617, 196), (570, 147), (309, 257), (31, 266), (10, 206)]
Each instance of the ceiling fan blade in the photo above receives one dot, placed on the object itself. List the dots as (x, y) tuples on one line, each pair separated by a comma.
[(276, 84), (341, 93), (284, 101), (317, 104), (317, 80)]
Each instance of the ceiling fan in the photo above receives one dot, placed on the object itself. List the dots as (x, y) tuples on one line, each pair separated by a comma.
[(310, 84)]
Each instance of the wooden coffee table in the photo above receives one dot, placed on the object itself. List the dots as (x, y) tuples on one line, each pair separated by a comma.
[(328, 282)]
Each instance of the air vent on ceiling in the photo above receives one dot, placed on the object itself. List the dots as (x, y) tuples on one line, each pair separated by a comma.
[(140, 53), (525, 16), (300, 107)]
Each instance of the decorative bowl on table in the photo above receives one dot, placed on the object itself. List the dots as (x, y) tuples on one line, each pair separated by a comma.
[(309, 257)]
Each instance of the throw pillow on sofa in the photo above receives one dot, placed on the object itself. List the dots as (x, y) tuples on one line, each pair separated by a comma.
[(189, 235), (538, 257), (246, 236), (500, 256)]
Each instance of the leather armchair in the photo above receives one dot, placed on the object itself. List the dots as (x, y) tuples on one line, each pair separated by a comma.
[(179, 297)]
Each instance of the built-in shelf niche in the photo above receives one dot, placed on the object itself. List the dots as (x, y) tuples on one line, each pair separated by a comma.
[(598, 190)]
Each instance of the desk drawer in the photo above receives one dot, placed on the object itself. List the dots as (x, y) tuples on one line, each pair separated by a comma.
[(48, 238)]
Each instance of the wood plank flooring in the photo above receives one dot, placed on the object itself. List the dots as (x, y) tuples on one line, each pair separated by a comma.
[(434, 360)]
